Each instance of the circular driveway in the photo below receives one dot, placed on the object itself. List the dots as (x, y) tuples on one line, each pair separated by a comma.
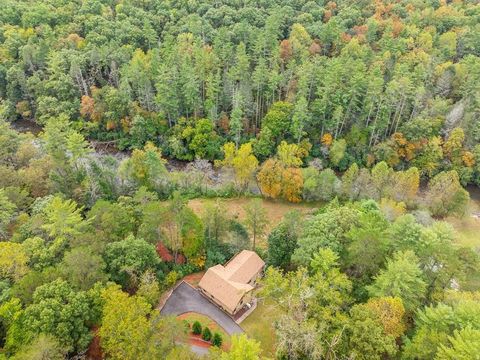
[(187, 299)]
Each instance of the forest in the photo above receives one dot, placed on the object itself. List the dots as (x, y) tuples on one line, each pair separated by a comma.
[(360, 117)]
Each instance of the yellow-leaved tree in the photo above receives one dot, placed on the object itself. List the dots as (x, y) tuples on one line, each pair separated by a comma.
[(242, 161), (131, 330), (270, 178), (391, 313), (13, 261)]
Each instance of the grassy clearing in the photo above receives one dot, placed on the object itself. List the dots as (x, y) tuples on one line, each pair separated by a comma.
[(468, 234), (259, 325), (191, 317), (468, 231), (468, 227), (235, 208)]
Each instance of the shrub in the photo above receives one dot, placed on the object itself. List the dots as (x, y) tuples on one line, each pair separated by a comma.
[(217, 340), (197, 328), (206, 334), (171, 279)]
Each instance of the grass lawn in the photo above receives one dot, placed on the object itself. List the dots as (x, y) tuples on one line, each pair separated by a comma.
[(259, 325), (191, 317)]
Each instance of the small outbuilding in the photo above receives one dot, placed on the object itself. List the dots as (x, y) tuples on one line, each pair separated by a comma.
[(230, 286)]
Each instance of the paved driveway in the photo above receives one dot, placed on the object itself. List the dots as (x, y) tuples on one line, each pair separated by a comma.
[(186, 299)]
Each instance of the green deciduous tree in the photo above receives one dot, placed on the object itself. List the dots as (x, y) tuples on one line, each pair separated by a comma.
[(149, 288), (256, 219), (441, 330), (275, 126), (125, 326), (320, 185), (308, 301), (368, 244), (446, 196), (59, 311), (282, 240), (43, 347), (202, 140), (402, 278), (127, 259), (243, 348), (62, 218), (368, 339), (145, 168), (7, 210), (464, 345), (327, 229), (290, 155), (182, 230), (83, 268), (112, 221), (337, 151)]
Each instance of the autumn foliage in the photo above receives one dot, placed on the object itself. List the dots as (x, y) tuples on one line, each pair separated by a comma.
[(391, 312), (277, 181)]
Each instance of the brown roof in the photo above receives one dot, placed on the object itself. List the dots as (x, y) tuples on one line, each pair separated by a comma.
[(244, 266), (229, 283)]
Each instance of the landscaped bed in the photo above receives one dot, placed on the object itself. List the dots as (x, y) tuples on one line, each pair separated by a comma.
[(205, 321)]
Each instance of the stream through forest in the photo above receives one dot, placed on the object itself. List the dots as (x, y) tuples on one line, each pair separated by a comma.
[(109, 148)]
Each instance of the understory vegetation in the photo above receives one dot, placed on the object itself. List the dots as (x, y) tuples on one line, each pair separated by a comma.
[(362, 117)]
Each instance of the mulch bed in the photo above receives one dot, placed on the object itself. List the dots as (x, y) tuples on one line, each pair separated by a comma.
[(198, 341), (194, 279)]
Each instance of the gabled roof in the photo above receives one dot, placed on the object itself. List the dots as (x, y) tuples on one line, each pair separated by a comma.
[(244, 266), (227, 284)]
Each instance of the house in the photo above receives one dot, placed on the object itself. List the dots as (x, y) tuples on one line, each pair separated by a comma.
[(230, 286)]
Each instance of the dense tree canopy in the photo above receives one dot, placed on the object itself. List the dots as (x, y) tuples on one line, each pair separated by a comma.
[(125, 124), (363, 81)]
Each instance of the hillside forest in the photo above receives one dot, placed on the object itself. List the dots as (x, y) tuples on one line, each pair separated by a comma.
[(116, 114)]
